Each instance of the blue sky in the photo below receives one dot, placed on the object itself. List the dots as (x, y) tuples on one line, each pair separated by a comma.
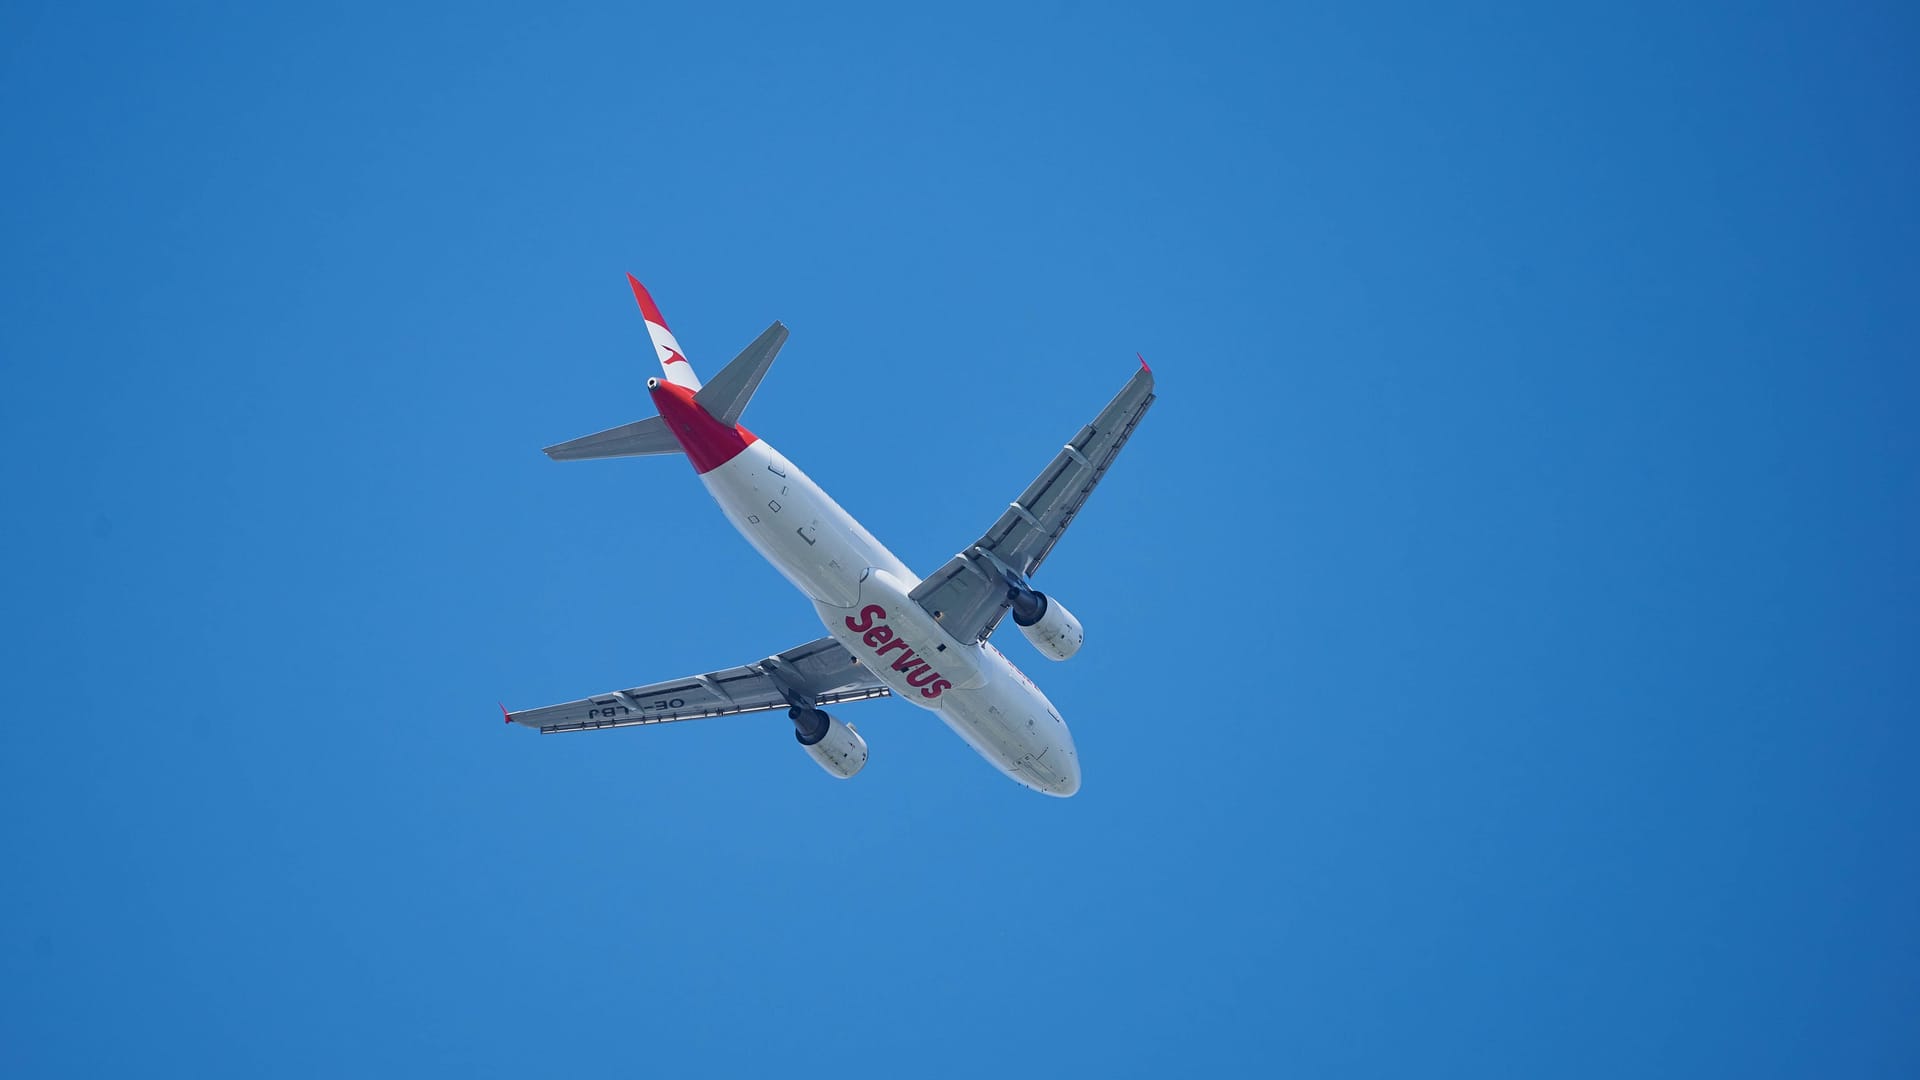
[(1501, 634)]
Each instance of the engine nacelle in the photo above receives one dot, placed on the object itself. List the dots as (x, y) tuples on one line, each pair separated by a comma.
[(1048, 624), (835, 745)]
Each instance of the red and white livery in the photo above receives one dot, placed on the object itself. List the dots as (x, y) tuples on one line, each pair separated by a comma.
[(890, 631)]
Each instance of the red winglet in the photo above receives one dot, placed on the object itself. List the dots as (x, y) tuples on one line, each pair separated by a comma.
[(504, 714), (648, 309), (1143, 363)]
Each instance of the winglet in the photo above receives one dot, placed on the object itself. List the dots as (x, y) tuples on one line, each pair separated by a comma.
[(1143, 360), (504, 713)]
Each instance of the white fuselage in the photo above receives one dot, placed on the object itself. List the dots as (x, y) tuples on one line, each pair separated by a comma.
[(857, 586)]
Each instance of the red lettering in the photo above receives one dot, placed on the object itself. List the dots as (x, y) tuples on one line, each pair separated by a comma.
[(882, 640), (867, 615)]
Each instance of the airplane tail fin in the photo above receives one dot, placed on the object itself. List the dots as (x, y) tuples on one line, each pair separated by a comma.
[(724, 399), (673, 362)]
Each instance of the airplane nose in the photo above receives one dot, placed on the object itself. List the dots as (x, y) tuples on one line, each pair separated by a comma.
[(1069, 778)]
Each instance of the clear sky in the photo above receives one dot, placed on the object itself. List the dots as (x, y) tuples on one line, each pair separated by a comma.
[(1501, 651)]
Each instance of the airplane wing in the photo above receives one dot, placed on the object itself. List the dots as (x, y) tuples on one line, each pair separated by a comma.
[(822, 672), (967, 595)]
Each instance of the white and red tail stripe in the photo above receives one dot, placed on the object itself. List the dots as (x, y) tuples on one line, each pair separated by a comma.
[(672, 361)]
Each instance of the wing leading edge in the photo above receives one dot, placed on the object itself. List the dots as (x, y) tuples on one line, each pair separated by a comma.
[(823, 672), (968, 595)]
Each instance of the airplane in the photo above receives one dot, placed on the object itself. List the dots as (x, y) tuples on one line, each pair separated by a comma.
[(890, 631)]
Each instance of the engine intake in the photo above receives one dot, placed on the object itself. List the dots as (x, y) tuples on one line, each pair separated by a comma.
[(1047, 623), (833, 744)]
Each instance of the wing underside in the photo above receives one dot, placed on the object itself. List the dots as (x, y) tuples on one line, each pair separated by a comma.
[(968, 594), (821, 672)]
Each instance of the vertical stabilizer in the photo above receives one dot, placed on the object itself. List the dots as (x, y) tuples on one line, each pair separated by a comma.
[(673, 362)]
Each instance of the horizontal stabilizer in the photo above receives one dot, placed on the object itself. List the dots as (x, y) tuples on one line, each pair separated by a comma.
[(638, 439), (725, 396)]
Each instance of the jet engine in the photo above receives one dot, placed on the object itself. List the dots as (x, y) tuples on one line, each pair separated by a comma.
[(835, 745), (1047, 623)]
